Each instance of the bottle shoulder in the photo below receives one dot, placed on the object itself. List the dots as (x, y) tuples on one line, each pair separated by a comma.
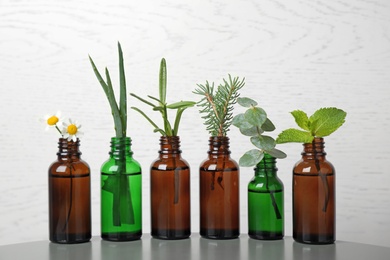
[(64, 168), (225, 162), (170, 160), (310, 166), (111, 166), (262, 183)]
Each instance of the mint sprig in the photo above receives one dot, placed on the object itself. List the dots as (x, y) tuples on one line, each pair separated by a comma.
[(322, 123)]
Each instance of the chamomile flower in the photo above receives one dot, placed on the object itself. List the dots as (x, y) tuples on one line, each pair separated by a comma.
[(52, 121), (71, 130)]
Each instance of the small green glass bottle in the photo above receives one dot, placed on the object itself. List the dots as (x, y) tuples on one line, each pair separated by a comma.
[(266, 202), (121, 193)]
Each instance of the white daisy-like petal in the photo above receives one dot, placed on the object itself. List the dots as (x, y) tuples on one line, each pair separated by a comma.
[(71, 131), (52, 120)]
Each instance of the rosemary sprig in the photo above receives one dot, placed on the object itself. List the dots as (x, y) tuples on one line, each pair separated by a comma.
[(217, 106), (163, 107)]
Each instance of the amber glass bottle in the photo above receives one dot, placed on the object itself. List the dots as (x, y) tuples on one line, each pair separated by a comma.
[(314, 196), (121, 193), (219, 192), (170, 192), (266, 202), (69, 196)]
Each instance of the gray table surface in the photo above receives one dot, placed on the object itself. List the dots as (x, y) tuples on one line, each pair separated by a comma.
[(193, 248)]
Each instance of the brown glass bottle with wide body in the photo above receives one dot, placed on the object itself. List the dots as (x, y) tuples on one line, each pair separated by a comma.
[(170, 192), (219, 192), (314, 196), (69, 196)]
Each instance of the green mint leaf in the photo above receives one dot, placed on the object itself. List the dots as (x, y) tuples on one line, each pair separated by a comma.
[(268, 126), (277, 153), (301, 119), (263, 142), (256, 116), (295, 136), (326, 120), (246, 102), (251, 158)]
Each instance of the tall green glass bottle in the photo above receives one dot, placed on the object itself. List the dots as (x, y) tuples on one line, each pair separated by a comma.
[(121, 194), (266, 202)]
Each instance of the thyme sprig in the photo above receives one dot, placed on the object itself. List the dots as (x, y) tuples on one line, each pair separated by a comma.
[(217, 107)]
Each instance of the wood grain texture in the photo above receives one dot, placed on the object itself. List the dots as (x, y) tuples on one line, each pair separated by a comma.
[(294, 55)]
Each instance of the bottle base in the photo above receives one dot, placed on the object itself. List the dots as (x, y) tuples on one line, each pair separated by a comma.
[(314, 239), (121, 236), (170, 234), (219, 233), (70, 238), (265, 235)]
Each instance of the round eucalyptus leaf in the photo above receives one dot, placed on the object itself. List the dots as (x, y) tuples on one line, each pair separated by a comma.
[(263, 142), (268, 126), (277, 153), (246, 102), (251, 158), (256, 116), (241, 122), (253, 131)]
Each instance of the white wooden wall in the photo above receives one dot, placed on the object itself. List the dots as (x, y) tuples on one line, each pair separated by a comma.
[(294, 55)]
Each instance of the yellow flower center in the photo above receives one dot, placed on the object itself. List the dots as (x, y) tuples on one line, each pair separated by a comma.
[(52, 120), (72, 129)]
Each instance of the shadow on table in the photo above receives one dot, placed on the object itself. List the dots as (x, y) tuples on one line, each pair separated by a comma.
[(70, 251)]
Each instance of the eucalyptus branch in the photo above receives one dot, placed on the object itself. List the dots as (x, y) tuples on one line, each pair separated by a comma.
[(253, 123)]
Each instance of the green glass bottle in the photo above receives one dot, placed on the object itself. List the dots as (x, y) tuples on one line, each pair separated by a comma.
[(266, 202), (121, 193)]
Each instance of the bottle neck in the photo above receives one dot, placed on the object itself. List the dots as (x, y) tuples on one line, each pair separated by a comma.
[(219, 146), (169, 146), (267, 166), (120, 147), (68, 150), (314, 150)]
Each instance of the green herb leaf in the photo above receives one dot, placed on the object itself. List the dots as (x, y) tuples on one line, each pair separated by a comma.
[(263, 142), (181, 104), (241, 122), (122, 92), (114, 106), (277, 153), (326, 120), (246, 102), (301, 119), (256, 116), (268, 126), (254, 131), (163, 81), (294, 135), (251, 158), (150, 120), (155, 99), (143, 100)]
